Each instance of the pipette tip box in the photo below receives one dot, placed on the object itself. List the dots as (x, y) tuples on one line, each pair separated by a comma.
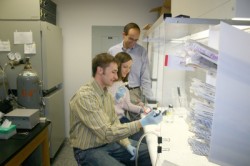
[(7, 132)]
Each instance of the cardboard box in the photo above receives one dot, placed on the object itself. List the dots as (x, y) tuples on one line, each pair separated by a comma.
[(165, 8), (147, 27)]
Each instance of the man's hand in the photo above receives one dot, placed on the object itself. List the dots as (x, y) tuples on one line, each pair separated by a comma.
[(132, 150), (151, 118)]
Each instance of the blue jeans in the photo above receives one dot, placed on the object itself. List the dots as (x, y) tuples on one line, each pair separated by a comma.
[(112, 154), (124, 119)]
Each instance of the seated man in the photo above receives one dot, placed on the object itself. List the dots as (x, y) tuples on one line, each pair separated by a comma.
[(96, 134)]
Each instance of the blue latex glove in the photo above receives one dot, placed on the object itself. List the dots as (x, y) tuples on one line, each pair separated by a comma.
[(120, 93), (151, 118), (132, 150)]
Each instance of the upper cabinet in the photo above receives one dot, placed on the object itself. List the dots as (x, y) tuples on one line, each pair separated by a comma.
[(44, 10), (221, 9), (20, 10), (203, 65)]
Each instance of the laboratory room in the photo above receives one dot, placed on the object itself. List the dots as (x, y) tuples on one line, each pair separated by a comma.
[(145, 82)]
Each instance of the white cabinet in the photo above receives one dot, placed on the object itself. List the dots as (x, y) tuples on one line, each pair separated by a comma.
[(20, 10), (44, 10), (221, 9), (229, 142)]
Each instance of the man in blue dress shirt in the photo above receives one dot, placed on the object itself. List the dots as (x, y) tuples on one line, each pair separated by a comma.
[(139, 83)]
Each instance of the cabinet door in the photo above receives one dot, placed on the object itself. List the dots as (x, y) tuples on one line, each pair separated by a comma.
[(20, 10), (231, 128), (52, 59), (54, 111)]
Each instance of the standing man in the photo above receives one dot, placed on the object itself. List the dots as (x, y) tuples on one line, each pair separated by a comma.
[(96, 134), (139, 83)]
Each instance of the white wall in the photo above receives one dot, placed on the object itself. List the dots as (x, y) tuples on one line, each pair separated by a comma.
[(221, 9), (76, 17)]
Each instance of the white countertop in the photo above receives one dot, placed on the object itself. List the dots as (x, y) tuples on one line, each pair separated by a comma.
[(175, 134)]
